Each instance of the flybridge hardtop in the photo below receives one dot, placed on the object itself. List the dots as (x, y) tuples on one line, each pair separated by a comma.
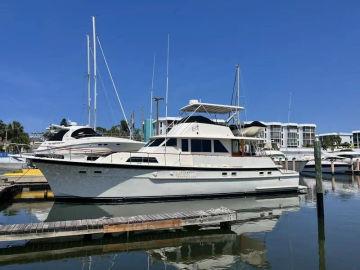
[(201, 107), (202, 127)]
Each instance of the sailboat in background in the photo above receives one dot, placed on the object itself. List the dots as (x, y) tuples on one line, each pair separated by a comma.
[(84, 142)]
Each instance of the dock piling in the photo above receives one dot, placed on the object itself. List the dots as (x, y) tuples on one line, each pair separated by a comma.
[(320, 204), (332, 167), (293, 164)]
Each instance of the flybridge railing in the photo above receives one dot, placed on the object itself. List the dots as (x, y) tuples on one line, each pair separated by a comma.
[(166, 158)]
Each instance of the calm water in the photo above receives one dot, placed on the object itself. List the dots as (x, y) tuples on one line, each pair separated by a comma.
[(276, 232)]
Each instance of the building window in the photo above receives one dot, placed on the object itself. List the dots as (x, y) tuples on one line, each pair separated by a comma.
[(219, 147), (198, 145)]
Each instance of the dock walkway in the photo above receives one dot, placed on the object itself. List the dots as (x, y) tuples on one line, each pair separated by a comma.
[(220, 216)]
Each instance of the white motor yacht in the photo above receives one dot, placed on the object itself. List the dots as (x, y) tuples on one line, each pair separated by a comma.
[(339, 166), (82, 142), (198, 157), (347, 155)]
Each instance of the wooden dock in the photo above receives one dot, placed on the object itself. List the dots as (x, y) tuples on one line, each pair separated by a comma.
[(220, 217)]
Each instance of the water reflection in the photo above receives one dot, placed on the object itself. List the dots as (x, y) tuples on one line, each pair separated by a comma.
[(344, 185), (209, 248)]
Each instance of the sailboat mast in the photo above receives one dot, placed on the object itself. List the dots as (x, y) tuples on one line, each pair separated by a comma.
[(167, 78), (88, 78), (152, 95), (94, 50), (238, 92)]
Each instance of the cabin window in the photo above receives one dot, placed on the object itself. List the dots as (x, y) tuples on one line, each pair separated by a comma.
[(171, 142), (142, 159), (198, 145), (219, 147), (58, 136), (84, 132), (156, 142), (185, 145)]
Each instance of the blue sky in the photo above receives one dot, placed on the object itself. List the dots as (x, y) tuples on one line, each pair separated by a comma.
[(309, 48)]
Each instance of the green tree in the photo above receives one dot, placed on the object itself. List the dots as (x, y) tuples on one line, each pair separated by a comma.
[(64, 122), (2, 130), (101, 130), (331, 142)]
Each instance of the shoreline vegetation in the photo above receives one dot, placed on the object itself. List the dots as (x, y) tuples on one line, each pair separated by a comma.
[(13, 135)]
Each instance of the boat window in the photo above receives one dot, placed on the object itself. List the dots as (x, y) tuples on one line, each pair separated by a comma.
[(84, 132), (143, 159), (58, 136), (148, 143), (171, 142), (185, 145), (198, 145), (219, 147), (348, 156), (156, 142)]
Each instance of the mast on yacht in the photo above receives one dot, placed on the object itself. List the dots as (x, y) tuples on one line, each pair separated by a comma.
[(152, 94), (94, 54), (167, 77), (88, 79), (167, 90), (238, 93)]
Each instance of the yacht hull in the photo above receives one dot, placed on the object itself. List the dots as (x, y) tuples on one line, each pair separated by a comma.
[(86, 180)]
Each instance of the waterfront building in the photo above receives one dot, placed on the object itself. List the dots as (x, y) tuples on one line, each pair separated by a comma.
[(277, 134), (356, 138), (346, 138), (288, 135)]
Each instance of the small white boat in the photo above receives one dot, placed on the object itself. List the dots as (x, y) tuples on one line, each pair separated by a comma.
[(275, 155), (10, 162), (339, 166), (82, 142)]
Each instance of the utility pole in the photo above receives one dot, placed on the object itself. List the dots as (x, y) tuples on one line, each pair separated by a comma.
[(157, 99)]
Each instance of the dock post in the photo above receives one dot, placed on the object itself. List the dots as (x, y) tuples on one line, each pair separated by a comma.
[(332, 167), (286, 164), (293, 164), (320, 204)]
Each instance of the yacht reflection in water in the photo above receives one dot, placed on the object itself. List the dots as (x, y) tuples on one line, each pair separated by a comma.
[(343, 185), (207, 248)]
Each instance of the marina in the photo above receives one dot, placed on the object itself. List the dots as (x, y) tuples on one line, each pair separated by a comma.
[(179, 135)]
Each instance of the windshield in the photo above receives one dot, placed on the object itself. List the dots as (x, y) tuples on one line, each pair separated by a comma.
[(84, 132), (58, 136)]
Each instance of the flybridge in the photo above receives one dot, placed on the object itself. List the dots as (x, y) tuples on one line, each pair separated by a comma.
[(196, 106)]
